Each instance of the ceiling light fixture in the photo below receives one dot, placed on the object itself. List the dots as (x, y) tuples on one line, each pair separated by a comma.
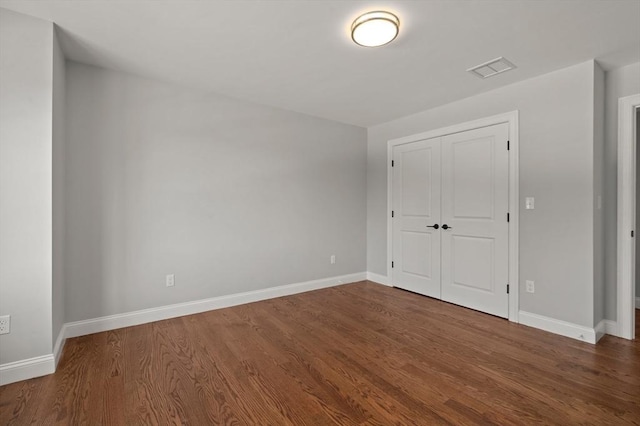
[(375, 29)]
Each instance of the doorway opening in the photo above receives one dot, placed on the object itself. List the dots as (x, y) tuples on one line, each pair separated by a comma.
[(627, 224), (637, 240)]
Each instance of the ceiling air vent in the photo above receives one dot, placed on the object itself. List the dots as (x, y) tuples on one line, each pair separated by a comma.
[(491, 68)]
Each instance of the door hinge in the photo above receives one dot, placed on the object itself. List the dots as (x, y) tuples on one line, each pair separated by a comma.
[(507, 288), (392, 264), (631, 234), (507, 217), (508, 146), (391, 213), (392, 162)]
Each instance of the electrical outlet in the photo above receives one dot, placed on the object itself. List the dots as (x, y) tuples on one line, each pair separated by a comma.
[(5, 324), (531, 286), (171, 280), (333, 259)]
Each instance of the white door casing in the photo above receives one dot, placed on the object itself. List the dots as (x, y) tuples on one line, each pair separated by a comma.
[(627, 175), (475, 247), (416, 208)]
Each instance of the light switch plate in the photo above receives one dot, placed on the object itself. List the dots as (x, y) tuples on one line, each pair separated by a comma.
[(530, 286), (530, 203)]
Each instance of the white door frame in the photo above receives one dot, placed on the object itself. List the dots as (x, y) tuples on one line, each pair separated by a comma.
[(626, 214), (512, 119)]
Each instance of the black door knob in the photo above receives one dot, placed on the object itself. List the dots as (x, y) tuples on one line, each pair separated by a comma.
[(436, 226), (445, 226)]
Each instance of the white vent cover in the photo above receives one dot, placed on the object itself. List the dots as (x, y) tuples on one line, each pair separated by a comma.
[(491, 68)]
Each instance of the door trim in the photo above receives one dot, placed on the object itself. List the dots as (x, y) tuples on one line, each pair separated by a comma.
[(626, 214), (512, 119)]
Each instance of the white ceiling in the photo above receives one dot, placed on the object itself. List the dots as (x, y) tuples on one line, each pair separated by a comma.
[(298, 54)]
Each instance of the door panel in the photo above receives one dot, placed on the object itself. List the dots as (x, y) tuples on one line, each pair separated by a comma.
[(473, 260), (416, 168), (416, 205), (472, 182), (475, 184), (416, 247)]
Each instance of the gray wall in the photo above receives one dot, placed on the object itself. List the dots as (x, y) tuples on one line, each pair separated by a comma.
[(26, 54), (619, 83), (598, 183), (228, 196), (59, 90), (556, 167)]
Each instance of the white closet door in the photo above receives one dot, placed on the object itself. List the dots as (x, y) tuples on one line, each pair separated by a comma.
[(475, 188), (416, 207)]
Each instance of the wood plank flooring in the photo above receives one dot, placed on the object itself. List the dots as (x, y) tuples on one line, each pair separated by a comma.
[(351, 355)]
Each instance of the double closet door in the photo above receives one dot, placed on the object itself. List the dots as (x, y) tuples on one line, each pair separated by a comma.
[(450, 226)]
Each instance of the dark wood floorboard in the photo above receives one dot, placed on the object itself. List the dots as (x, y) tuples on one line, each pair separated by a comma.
[(350, 355)]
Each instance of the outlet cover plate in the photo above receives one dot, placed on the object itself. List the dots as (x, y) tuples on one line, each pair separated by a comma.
[(171, 280), (5, 324)]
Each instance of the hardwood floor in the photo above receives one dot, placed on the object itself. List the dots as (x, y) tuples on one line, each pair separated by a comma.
[(354, 354)]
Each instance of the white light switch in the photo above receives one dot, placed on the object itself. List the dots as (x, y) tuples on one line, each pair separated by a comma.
[(530, 203)]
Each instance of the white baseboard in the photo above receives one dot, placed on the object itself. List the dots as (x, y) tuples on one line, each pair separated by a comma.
[(43, 365), (637, 302), (33, 367), (562, 328), (601, 330), (112, 322), (59, 346), (376, 278), (611, 327), (26, 369)]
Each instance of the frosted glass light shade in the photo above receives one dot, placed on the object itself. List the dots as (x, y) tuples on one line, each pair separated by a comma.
[(375, 29)]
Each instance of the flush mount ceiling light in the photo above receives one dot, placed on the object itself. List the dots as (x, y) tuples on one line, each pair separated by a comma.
[(375, 29)]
